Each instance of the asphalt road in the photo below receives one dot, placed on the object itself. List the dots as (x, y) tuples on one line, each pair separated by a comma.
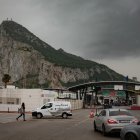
[(78, 127)]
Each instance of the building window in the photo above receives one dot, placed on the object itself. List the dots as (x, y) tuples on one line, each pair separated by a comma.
[(4, 100)]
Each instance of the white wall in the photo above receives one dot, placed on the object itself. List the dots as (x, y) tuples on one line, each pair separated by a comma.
[(32, 98)]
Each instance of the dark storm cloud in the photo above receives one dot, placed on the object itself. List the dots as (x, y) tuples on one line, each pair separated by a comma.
[(89, 28), (105, 31), (100, 28), (120, 35)]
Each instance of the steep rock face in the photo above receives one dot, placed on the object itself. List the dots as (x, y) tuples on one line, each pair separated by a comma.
[(19, 60), (29, 67)]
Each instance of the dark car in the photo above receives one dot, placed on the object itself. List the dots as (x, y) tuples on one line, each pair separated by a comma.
[(130, 132), (106, 106)]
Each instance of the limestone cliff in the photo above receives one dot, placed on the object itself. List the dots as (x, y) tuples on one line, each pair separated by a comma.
[(32, 63)]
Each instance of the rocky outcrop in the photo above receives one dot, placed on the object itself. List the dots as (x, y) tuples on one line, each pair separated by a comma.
[(29, 68)]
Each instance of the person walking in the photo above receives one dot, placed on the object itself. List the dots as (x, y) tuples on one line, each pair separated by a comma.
[(22, 112)]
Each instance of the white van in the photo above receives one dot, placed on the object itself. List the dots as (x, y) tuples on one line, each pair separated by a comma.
[(53, 109)]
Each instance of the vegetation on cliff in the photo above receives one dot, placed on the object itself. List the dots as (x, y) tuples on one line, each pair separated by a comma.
[(58, 57), (92, 70)]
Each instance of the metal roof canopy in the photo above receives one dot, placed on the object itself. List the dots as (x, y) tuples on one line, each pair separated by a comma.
[(100, 83), (81, 90)]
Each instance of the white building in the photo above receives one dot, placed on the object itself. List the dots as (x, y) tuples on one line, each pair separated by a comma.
[(11, 99)]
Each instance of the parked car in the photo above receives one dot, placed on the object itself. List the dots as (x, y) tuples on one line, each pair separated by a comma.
[(130, 132), (113, 120)]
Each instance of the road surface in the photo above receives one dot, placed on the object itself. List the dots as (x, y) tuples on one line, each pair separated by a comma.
[(77, 127)]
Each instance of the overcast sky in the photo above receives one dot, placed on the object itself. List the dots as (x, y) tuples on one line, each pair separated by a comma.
[(105, 31)]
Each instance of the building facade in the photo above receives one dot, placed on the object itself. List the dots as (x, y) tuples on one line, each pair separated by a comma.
[(11, 99)]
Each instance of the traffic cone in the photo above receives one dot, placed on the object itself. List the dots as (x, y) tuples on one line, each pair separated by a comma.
[(91, 115)]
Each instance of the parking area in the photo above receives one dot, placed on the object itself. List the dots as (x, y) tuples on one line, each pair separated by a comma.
[(79, 126), (11, 117)]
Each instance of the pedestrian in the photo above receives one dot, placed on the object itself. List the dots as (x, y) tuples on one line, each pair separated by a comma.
[(22, 112)]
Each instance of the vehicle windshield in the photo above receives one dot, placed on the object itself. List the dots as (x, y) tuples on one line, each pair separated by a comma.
[(49, 105), (119, 112)]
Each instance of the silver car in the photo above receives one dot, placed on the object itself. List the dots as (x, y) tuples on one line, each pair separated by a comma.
[(130, 132), (113, 120)]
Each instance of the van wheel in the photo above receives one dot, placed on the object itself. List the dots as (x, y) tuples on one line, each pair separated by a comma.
[(39, 115), (64, 115)]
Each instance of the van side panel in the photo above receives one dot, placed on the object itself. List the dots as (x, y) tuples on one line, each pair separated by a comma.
[(57, 109)]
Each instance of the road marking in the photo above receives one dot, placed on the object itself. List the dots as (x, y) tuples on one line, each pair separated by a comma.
[(80, 122)]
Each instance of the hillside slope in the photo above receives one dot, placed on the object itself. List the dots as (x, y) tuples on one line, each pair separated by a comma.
[(32, 63)]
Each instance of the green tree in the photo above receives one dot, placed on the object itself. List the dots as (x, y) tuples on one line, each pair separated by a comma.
[(6, 78)]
